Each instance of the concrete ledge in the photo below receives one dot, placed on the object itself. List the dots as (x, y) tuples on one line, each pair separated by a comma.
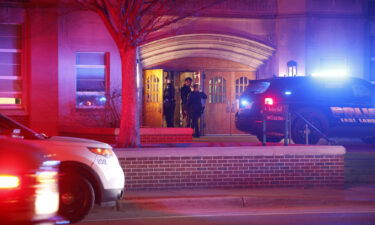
[(231, 151)]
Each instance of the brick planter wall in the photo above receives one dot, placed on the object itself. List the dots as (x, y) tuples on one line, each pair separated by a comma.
[(295, 166), (148, 135), (166, 135)]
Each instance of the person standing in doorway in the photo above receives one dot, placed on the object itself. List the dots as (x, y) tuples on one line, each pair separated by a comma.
[(169, 103), (195, 108), (185, 91)]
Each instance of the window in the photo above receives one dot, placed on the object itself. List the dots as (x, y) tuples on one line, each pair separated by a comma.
[(241, 85), (152, 89), (217, 90), (361, 91), (258, 87), (10, 65), (91, 70), (292, 68)]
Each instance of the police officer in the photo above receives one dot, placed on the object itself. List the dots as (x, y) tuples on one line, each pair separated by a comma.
[(185, 91), (195, 108), (169, 103)]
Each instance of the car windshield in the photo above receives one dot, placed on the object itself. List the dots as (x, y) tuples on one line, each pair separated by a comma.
[(258, 87), (11, 128)]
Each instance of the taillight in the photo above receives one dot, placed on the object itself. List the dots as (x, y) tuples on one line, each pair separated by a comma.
[(107, 152), (268, 101), (9, 182)]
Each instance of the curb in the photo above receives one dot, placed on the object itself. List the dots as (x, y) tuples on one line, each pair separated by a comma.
[(220, 202)]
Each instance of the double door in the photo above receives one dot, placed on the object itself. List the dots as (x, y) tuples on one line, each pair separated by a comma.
[(223, 90)]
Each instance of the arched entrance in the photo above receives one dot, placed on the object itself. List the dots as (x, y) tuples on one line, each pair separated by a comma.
[(221, 64)]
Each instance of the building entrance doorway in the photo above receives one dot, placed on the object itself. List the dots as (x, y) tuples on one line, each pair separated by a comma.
[(223, 90), (154, 83)]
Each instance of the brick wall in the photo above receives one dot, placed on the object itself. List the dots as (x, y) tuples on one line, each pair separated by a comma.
[(360, 168), (233, 167)]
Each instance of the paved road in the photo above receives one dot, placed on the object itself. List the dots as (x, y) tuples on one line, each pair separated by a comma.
[(243, 218)]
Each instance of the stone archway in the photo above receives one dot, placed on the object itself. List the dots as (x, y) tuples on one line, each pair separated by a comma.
[(228, 47), (203, 52)]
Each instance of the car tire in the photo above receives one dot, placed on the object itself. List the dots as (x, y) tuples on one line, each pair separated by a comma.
[(76, 197), (298, 131), (273, 139)]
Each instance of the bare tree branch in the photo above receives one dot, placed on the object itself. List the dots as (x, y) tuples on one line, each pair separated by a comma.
[(131, 21), (176, 19)]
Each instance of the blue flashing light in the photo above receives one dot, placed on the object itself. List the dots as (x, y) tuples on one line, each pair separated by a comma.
[(244, 102), (287, 92), (102, 99), (336, 73)]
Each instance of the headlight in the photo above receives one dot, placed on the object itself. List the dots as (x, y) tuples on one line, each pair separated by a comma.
[(107, 152)]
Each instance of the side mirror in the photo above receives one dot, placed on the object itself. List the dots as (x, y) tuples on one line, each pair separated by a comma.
[(16, 133)]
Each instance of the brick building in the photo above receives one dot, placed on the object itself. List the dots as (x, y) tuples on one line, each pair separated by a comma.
[(58, 66)]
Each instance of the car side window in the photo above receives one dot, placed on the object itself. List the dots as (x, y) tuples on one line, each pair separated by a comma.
[(361, 91)]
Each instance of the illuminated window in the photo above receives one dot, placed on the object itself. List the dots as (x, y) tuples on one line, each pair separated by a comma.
[(241, 85), (292, 68), (91, 70), (152, 89), (10, 65), (217, 90)]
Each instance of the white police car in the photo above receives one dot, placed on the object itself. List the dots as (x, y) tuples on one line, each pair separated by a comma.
[(90, 171)]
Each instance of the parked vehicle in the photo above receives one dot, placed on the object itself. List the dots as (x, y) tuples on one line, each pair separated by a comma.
[(90, 170), (28, 184), (335, 107)]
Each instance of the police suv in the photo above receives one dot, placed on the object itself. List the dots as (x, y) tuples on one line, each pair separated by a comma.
[(90, 170), (319, 107)]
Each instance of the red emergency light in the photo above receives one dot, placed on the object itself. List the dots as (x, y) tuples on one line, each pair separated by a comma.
[(268, 101), (9, 182)]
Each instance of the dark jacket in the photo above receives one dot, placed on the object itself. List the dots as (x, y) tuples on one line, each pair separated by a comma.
[(185, 91), (168, 96), (194, 101)]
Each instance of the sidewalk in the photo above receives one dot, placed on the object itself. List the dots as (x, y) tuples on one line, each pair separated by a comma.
[(271, 199)]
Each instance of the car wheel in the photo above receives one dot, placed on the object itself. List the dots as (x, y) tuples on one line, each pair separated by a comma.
[(76, 197), (368, 140), (298, 132), (273, 139)]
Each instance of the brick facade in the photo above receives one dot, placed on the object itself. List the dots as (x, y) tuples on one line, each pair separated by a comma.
[(246, 167)]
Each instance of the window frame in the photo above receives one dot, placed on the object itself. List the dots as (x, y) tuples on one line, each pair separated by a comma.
[(217, 93), (21, 78), (106, 67)]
